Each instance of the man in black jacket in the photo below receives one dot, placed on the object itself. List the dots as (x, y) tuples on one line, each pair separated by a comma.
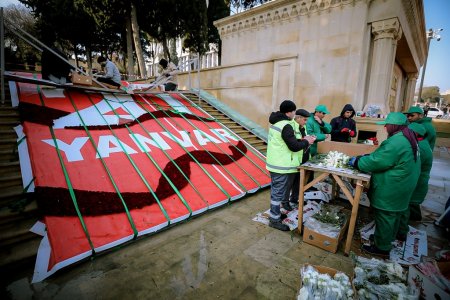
[(343, 128)]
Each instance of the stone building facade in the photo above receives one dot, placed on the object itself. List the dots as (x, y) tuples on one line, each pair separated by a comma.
[(331, 52)]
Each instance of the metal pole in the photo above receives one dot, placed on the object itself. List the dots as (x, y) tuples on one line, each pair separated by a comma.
[(47, 48), (198, 75), (429, 36), (2, 57)]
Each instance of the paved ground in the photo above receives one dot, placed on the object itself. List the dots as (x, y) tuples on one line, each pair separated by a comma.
[(220, 255)]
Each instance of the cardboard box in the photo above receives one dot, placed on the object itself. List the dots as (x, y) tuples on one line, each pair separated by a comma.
[(329, 271), (428, 289), (81, 79), (350, 149), (325, 242)]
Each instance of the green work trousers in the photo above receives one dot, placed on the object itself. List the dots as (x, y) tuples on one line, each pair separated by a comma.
[(387, 224), (404, 220), (413, 213)]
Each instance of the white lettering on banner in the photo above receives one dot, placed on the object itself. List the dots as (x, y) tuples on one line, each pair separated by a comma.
[(142, 141), (72, 151), (185, 142), (104, 148), (204, 138), (224, 134), (108, 144)]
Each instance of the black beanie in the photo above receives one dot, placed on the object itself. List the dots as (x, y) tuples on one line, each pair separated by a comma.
[(287, 106)]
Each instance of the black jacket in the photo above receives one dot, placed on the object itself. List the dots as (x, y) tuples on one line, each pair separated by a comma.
[(53, 65), (338, 123), (287, 134)]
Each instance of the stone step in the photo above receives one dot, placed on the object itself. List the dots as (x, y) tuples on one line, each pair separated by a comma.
[(9, 180), (16, 232), (12, 196), (28, 210), (7, 155), (8, 124), (17, 255), (9, 167), (8, 133)]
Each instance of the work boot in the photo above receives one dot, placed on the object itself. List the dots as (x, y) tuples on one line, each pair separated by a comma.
[(293, 205), (278, 225), (286, 206), (415, 217), (373, 250), (401, 237)]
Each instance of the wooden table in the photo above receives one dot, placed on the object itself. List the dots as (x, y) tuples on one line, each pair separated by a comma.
[(336, 174)]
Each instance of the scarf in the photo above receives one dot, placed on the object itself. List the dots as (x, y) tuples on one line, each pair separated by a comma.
[(408, 133)]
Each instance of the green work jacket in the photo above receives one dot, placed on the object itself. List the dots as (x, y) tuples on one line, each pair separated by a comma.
[(314, 128), (394, 173), (431, 132), (426, 161)]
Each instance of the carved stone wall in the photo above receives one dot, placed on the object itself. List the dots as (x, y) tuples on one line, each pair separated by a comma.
[(331, 52)]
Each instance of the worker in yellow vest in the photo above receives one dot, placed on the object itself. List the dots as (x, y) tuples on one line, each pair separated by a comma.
[(283, 159)]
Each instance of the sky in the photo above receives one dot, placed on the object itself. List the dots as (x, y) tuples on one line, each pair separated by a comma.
[(437, 73), (437, 15)]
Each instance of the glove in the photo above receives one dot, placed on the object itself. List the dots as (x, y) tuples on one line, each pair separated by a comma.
[(352, 133), (353, 162), (344, 130)]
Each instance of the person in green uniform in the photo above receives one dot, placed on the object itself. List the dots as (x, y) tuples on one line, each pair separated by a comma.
[(282, 160), (416, 114), (395, 168), (318, 127), (421, 190)]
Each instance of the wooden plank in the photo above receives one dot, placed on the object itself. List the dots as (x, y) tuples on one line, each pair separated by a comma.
[(340, 172), (49, 83), (350, 149)]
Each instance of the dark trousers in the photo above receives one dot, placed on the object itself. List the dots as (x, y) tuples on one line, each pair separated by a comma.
[(108, 81), (170, 87), (280, 187)]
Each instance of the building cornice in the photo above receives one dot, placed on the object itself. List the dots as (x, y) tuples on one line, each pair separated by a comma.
[(416, 22), (277, 11)]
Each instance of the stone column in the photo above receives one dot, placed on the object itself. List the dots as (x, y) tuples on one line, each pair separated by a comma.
[(386, 33), (410, 89)]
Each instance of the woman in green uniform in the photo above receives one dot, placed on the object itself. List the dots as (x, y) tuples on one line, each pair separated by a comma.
[(395, 167), (426, 161)]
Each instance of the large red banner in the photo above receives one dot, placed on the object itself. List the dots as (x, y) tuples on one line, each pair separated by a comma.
[(108, 168)]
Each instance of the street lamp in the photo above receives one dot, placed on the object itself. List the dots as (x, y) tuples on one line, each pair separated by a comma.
[(431, 34)]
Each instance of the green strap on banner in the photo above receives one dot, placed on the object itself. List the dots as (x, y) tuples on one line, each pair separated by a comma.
[(130, 219), (69, 184), (133, 163), (235, 161), (198, 163), (71, 191), (152, 160), (250, 148)]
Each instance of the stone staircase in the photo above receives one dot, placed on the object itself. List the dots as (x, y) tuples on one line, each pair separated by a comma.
[(233, 125), (17, 212)]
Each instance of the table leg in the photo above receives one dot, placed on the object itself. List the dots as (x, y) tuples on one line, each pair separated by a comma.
[(351, 227), (301, 199)]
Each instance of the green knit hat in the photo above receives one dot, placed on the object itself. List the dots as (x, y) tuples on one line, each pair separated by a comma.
[(415, 109), (322, 108), (418, 128), (394, 118)]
